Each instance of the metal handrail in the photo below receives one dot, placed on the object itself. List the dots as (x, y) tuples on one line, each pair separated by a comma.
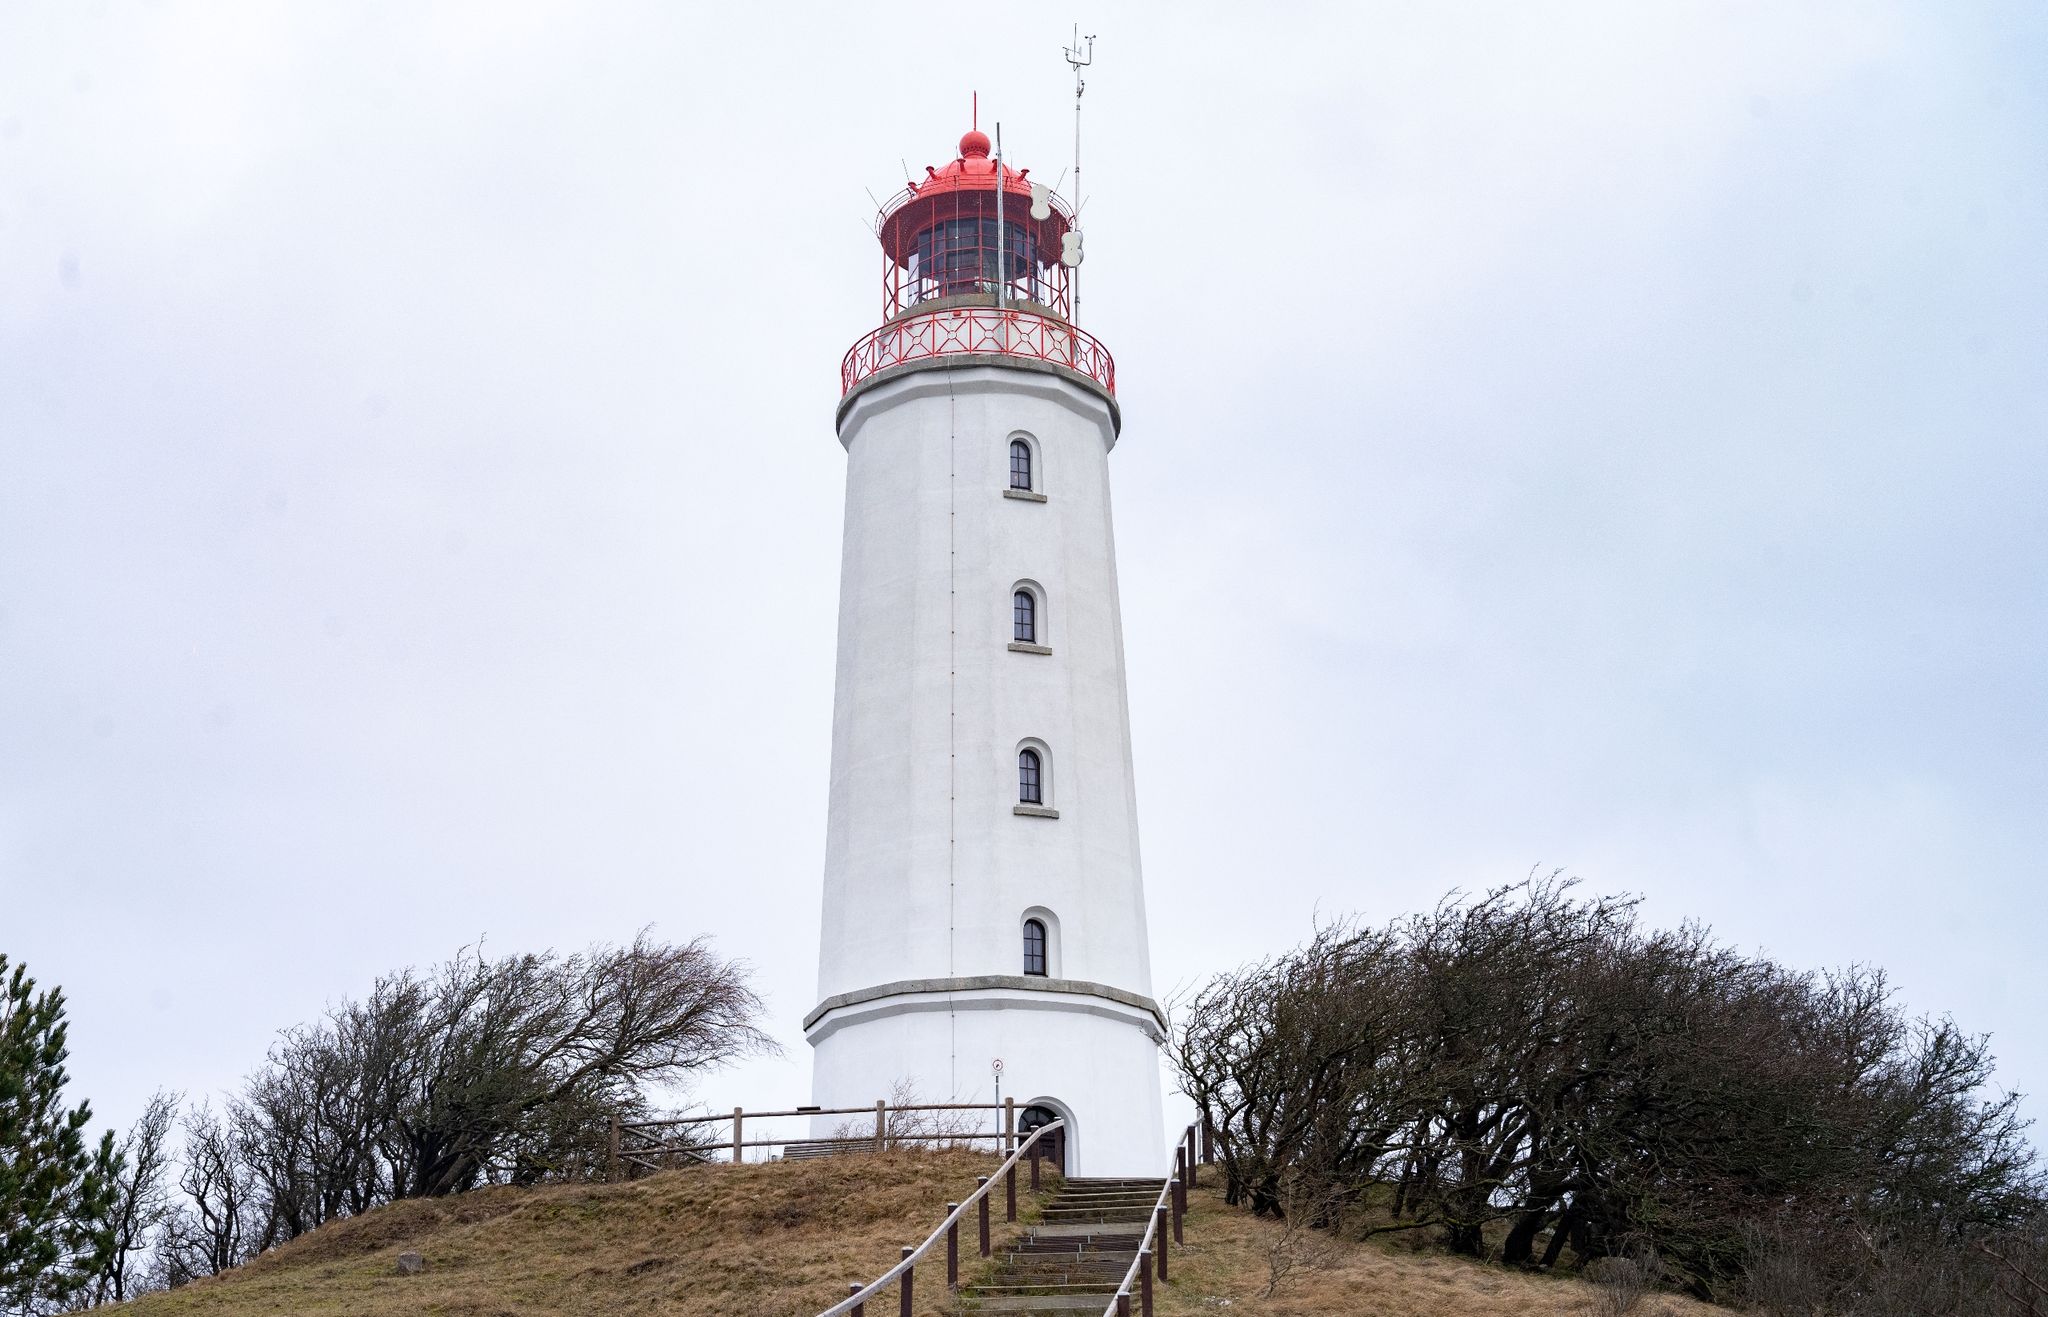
[(856, 1301), (1183, 1164)]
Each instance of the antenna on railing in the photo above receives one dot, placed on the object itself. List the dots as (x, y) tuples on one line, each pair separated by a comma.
[(1002, 266), (1070, 243)]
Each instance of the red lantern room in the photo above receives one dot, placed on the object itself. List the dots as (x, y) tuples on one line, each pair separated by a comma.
[(940, 237), (977, 262)]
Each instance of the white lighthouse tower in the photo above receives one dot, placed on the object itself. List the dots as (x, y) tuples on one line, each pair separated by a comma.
[(983, 897)]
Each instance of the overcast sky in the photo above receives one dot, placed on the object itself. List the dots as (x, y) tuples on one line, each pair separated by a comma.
[(1605, 437)]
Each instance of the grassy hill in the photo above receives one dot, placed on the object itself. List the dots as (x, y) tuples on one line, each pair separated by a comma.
[(783, 1240)]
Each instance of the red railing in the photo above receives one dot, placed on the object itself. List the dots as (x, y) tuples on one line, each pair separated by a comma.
[(961, 330), (908, 194)]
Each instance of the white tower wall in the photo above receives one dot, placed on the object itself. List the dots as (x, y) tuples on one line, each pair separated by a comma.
[(930, 869)]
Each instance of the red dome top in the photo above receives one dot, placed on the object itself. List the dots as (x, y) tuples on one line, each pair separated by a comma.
[(968, 182)]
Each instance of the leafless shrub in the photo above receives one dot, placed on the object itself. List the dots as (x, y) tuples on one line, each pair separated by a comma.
[(904, 1127), (1779, 1278), (1622, 1281), (1300, 1246)]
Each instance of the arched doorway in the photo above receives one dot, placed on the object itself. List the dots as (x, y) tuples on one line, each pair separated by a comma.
[(1053, 1147)]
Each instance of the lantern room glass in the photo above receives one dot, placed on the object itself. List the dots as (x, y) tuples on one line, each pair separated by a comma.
[(955, 254)]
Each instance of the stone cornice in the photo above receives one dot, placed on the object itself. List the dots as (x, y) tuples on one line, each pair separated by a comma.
[(982, 371)]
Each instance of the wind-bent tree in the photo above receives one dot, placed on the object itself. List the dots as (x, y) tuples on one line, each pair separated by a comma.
[(55, 1190), (481, 1071), (1531, 1073)]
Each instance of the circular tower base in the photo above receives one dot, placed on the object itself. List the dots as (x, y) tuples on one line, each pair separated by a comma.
[(1088, 1055)]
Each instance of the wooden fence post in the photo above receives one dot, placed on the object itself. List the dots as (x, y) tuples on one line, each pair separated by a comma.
[(859, 1309), (1010, 1191), (1181, 1161), (981, 1181), (908, 1272), (1145, 1282), (881, 1122), (739, 1154), (1034, 1168), (1009, 1126), (1159, 1230), (1179, 1211), (952, 1248), (611, 1152)]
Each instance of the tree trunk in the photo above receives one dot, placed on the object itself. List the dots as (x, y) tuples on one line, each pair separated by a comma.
[(1521, 1240), (1566, 1223)]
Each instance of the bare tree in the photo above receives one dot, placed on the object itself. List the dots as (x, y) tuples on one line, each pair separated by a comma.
[(220, 1222), (141, 1201), (1301, 1065), (513, 1064), (1536, 1058), (482, 1071)]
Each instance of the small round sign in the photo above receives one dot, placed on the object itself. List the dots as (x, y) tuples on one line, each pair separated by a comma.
[(997, 1065)]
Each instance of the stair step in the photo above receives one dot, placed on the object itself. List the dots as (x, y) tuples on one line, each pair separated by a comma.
[(1095, 1219), (1148, 1194), (1074, 1258)]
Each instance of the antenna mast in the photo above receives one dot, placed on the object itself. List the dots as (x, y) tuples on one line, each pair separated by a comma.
[(1079, 59), (1002, 265)]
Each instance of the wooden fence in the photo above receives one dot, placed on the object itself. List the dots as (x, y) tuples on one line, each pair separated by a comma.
[(639, 1146)]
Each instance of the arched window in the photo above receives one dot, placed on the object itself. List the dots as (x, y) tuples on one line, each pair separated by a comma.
[(1020, 464), (1024, 618), (1034, 947), (1029, 768)]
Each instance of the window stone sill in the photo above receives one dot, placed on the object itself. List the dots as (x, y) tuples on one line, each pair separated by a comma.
[(1028, 495), (1036, 812), (1019, 647)]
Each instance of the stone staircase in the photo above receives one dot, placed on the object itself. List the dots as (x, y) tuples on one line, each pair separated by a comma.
[(1074, 1258)]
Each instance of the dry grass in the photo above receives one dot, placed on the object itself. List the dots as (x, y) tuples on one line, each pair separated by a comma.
[(775, 1239), (783, 1240), (1225, 1259)]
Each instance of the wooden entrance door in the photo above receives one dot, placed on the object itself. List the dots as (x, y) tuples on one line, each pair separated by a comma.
[(1053, 1147)]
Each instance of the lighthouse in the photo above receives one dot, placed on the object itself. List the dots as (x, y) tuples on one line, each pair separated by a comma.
[(983, 899)]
